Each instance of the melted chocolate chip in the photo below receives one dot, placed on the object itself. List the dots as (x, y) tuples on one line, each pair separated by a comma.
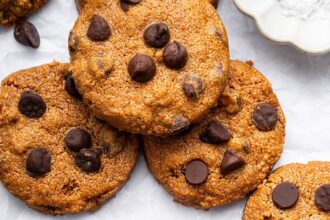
[(78, 139), (31, 105), (193, 87), (26, 34), (285, 195), (157, 35), (175, 55), (230, 162), (265, 117), (215, 133), (88, 160), (70, 87), (38, 162), (142, 68), (99, 29), (322, 197), (196, 172)]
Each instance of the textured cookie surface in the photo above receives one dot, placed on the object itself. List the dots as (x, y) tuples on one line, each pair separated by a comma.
[(55, 156), (152, 67), (225, 155), (310, 198), (13, 10), (80, 3)]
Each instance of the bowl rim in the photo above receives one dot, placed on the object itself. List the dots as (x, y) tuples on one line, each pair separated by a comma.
[(276, 40)]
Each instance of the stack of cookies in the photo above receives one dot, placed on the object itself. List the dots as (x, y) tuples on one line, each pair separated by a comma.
[(212, 129)]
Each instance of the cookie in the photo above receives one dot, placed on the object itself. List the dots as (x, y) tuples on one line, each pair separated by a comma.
[(142, 69), (13, 10), (55, 155), (294, 191), (228, 153)]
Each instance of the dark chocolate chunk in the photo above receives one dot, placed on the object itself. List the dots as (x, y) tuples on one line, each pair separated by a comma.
[(70, 87), (142, 68), (265, 117), (285, 195), (230, 162), (215, 133), (196, 172), (157, 35), (26, 34), (322, 197), (38, 162), (175, 55), (99, 29), (78, 139), (31, 105), (88, 160)]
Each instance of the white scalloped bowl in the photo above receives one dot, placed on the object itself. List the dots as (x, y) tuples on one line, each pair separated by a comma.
[(310, 36)]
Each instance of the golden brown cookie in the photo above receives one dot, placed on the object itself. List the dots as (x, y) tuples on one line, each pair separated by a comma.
[(295, 192), (55, 155), (151, 67), (228, 153), (13, 10)]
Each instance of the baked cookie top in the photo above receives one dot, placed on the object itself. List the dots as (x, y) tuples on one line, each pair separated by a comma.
[(55, 156), (151, 66), (228, 153), (294, 191), (13, 10)]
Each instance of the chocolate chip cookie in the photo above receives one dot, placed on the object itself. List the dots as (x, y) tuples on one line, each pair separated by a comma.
[(294, 191), (151, 67), (227, 154), (54, 154), (13, 10)]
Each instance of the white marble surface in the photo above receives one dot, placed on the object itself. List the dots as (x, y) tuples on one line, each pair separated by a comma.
[(301, 82)]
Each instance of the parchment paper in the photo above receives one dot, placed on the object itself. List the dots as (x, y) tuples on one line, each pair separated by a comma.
[(301, 82)]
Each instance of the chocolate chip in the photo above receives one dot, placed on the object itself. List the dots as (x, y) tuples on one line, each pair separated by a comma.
[(157, 35), (38, 162), (31, 105), (88, 160), (70, 86), (141, 68), (322, 197), (179, 124), (230, 162), (215, 133), (265, 117), (175, 55), (99, 29), (131, 1), (285, 195), (77, 139), (215, 3), (196, 172), (26, 34), (124, 6), (193, 87)]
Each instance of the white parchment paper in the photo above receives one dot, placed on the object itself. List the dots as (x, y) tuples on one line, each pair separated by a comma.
[(301, 82)]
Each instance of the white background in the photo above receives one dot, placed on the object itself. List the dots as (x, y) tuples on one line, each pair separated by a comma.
[(301, 82)]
